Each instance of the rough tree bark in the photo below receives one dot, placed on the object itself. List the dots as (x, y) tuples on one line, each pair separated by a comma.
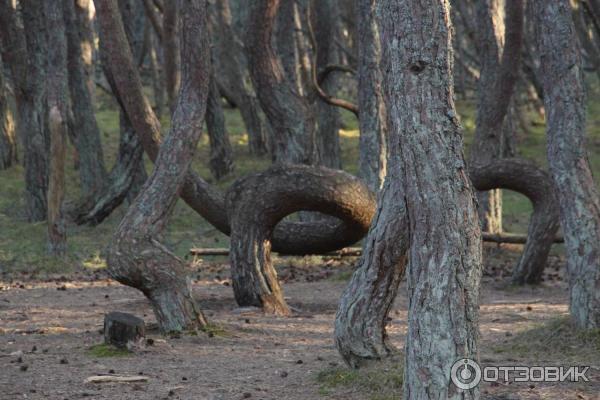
[(287, 110), (445, 239), (328, 118), (288, 238), (24, 51), (258, 202), (8, 143), (500, 34), (172, 59), (233, 77), (372, 124), (57, 124), (84, 129), (135, 256), (564, 100), (221, 154), (524, 177)]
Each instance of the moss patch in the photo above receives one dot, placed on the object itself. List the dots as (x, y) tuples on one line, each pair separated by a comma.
[(106, 350)]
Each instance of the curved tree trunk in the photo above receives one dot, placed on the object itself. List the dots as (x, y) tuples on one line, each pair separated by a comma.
[(372, 124), (221, 155), (84, 129), (288, 238), (287, 110), (496, 86), (523, 177), (360, 323), (256, 203), (8, 144), (445, 239), (57, 124), (564, 100), (135, 256)]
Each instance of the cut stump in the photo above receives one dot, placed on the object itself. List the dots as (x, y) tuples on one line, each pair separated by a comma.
[(121, 328)]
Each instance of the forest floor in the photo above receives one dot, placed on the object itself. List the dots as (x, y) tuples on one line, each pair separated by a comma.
[(50, 338)]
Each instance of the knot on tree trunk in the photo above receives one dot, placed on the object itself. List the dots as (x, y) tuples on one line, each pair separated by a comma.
[(256, 203)]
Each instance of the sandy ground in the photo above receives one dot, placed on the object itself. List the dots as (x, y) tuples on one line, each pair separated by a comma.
[(55, 322)]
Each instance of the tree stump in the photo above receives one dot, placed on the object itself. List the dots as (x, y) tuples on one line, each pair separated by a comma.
[(122, 328)]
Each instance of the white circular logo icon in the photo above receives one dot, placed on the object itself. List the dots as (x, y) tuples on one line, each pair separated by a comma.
[(465, 374)]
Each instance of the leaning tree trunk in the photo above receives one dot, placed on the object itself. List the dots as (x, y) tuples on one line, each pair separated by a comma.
[(360, 323), (256, 203), (372, 124), (287, 110), (24, 51), (57, 125), (288, 238), (221, 154), (564, 100), (496, 86), (445, 239), (8, 144), (84, 129), (135, 256)]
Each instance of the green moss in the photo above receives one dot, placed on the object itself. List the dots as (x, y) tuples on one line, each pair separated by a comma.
[(378, 381), (106, 350)]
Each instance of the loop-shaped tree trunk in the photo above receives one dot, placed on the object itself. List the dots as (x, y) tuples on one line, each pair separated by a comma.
[(524, 177), (256, 204)]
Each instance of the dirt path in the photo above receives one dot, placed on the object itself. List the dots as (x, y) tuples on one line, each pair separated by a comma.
[(250, 355)]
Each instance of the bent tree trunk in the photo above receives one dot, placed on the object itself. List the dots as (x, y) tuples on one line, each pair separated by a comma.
[(523, 177), (360, 323), (564, 100), (445, 239), (256, 203), (372, 124), (500, 34), (288, 112), (135, 256)]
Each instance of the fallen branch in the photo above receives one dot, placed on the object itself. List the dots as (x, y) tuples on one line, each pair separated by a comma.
[(116, 378), (510, 238)]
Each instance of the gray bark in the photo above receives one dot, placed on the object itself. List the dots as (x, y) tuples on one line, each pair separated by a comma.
[(564, 99), (24, 51), (221, 154), (135, 256), (84, 129), (57, 86), (171, 55), (8, 143), (445, 239), (499, 39), (372, 124)]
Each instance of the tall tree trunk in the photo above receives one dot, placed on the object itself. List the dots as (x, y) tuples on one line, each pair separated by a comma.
[(8, 143), (500, 33), (135, 256), (221, 154), (328, 118), (372, 124), (445, 239), (234, 80), (564, 100), (24, 51), (171, 57), (287, 110), (84, 128), (57, 124)]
